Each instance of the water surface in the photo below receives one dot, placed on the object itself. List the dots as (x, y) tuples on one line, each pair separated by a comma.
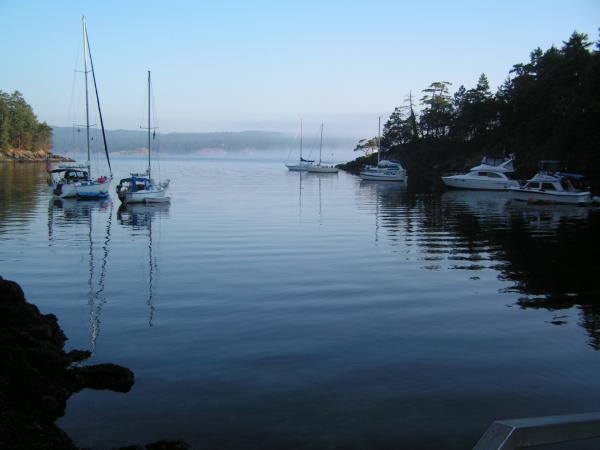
[(271, 309)]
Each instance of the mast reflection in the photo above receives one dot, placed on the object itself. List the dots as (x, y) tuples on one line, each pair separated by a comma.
[(66, 214), (139, 216)]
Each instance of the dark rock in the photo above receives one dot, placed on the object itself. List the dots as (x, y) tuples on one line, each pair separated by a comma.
[(37, 377), (105, 376)]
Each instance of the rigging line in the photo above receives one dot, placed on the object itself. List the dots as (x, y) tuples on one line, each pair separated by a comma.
[(98, 100)]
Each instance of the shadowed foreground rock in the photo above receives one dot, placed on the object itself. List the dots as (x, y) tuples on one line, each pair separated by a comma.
[(37, 377)]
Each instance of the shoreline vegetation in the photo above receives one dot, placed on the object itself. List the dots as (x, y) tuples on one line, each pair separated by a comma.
[(548, 108), (37, 377)]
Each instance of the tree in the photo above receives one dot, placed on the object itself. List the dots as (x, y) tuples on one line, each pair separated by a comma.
[(367, 146), (19, 128), (401, 127), (476, 111), (436, 118)]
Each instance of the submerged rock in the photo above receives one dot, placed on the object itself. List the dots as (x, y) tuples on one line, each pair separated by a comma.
[(37, 376)]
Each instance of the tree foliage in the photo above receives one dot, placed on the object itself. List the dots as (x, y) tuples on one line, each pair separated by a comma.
[(367, 146), (19, 127), (548, 107)]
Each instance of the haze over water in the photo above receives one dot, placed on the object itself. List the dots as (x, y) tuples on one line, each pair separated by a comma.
[(270, 309)]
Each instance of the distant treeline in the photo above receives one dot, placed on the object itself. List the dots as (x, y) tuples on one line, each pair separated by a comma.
[(19, 129), (548, 108), (70, 140)]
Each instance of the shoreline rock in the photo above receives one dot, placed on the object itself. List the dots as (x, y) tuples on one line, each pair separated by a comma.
[(37, 377), (23, 156)]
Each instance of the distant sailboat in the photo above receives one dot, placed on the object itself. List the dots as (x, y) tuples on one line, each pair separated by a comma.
[(303, 164), (320, 167), (140, 187), (386, 170), (75, 179)]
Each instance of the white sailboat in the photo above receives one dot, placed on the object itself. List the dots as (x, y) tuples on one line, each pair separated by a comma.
[(303, 164), (386, 170), (320, 167), (140, 187), (75, 180)]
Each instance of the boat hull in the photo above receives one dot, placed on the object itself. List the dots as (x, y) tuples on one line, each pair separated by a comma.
[(297, 167), (460, 182), (152, 196), (533, 195), (322, 169), (382, 177), (93, 189), (83, 190)]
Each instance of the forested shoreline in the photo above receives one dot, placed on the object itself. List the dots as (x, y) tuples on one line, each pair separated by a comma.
[(548, 108), (22, 137)]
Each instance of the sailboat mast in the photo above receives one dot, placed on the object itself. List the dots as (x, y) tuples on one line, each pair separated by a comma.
[(87, 105), (149, 166), (87, 40), (378, 140), (300, 161), (321, 143)]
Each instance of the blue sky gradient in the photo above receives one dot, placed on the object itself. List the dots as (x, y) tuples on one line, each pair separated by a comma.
[(233, 65)]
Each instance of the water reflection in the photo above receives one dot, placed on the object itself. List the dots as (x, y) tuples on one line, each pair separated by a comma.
[(64, 214), (140, 217), (548, 253), (20, 187)]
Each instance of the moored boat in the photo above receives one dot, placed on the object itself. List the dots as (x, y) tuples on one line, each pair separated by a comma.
[(141, 187), (385, 170), (303, 164), (75, 180), (320, 167), (552, 186), (491, 174)]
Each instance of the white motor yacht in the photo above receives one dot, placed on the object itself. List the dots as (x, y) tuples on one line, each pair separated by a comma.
[(551, 186), (491, 174)]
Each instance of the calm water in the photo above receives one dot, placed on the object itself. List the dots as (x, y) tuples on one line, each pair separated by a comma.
[(269, 309)]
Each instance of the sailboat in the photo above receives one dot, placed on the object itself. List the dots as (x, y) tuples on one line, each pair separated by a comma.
[(320, 167), (303, 164), (386, 170), (75, 180), (140, 187)]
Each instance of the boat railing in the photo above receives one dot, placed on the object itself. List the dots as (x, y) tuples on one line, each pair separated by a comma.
[(541, 431)]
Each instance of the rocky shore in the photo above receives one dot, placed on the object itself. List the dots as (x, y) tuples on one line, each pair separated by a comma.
[(37, 377), (31, 156)]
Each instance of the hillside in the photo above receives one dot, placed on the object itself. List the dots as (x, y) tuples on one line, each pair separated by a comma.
[(22, 137)]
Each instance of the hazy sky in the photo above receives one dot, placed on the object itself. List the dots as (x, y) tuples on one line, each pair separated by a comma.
[(232, 65)]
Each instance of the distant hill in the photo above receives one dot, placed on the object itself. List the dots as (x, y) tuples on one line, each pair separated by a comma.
[(71, 140)]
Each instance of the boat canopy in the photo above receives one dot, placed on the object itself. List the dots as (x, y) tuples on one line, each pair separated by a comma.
[(390, 164), (136, 183), (493, 160), (572, 176)]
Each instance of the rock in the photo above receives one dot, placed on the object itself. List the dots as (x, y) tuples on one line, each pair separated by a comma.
[(37, 376), (105, 376)]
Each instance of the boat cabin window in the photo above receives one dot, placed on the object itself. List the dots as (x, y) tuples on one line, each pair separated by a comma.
[(494, 175), (566, 184), (548, 187), (533, 185)]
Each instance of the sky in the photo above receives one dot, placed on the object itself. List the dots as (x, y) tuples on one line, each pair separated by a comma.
[(264, 65)]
